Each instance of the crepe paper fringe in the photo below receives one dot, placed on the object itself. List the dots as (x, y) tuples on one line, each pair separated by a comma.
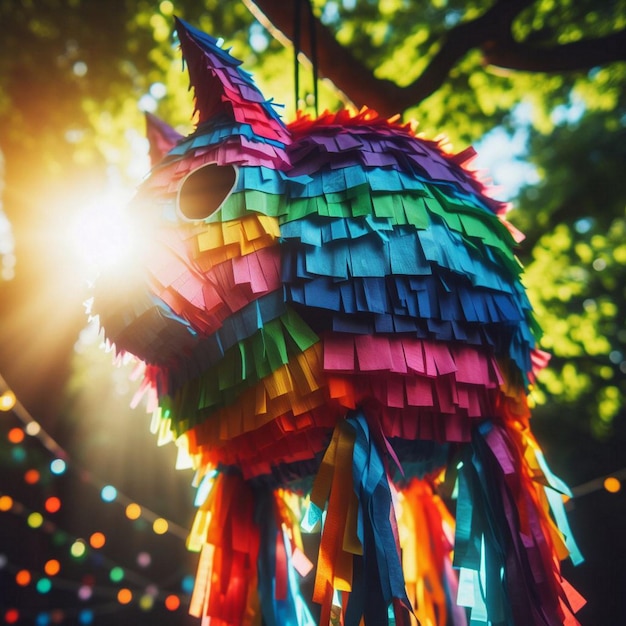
[(224, 530), (207, 300), (430, 390), (436, 394), (224, 142), (387, 553), (505, 539), (426, 530), (237, 583), (400, 250), (367, 132), (359, 549), (219, 242), (231, 89)]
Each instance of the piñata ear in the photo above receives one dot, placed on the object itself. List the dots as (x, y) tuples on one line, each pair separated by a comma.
[(221, 87), (161, 137)]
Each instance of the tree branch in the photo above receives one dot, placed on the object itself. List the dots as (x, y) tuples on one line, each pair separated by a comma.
[(491, 33), (575, 56), (335, 62)]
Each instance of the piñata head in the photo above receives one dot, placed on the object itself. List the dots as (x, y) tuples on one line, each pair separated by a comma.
[(332, 310)]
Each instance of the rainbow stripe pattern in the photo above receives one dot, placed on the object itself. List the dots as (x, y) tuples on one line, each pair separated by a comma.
[(334, 328)]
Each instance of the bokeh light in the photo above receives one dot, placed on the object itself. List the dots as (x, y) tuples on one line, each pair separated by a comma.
[(58, 467), (172, 602), (124, 596), (32, 476), (11, 616), (78, 549), (7, 400), (52, 567), (16, 435), (143, 559), (146, 602), (187, 584), (612, 484), (6, 503), (116, 574), (97, 540), (160, 526), (52, 504), (108, 493), (85, 592), (43, 585), (18, 454), (35, 520), (33, 428), (133, 511), (85, 616), (23, 578)]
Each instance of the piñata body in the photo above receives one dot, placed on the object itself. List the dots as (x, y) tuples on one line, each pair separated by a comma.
[(333, 328)]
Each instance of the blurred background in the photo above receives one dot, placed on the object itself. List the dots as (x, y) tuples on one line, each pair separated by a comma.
[(93, 513)]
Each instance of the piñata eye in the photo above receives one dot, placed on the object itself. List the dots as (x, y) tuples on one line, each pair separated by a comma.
[(204, 190)]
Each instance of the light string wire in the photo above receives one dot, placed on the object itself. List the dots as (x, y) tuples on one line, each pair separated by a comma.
[(34, 429), (140, 584)]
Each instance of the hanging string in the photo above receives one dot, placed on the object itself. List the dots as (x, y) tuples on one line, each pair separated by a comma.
[(297, 18), (313, 39), (297, 41)]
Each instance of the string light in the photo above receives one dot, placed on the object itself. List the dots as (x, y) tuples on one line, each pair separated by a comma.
[(85, 592), (116, 574), (52, 504), (172, 602), (43, 585), (32, 476), (187, 584), (35, 520), (612, 484), (78, 549), (52, 567), (18, 453), (85, 589), (58, 467), (160, 526), (7, 400), (108, 493), (6, 503), (33, 428), (97, 540), (146, 602), (133, 511), (124, 596), (16, 435)]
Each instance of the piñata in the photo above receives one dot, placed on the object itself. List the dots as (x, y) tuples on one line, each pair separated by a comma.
[(334, 330)]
